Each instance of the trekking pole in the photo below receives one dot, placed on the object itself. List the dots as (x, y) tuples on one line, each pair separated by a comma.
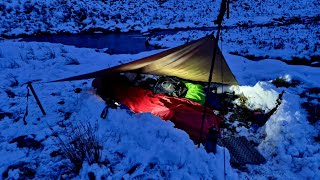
[(36, 98), (215, 48), (209, 84)]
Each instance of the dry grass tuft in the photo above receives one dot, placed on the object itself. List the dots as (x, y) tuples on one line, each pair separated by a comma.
[(81, 144)]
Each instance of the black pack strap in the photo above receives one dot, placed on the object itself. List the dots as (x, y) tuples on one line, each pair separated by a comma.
[(104, 112), (278, 102), (26, 114)]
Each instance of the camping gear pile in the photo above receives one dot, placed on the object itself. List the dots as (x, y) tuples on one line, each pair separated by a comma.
[(190, 62), (166, 100)]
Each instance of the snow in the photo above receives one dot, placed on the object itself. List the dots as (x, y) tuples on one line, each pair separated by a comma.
[(277, 29), (73, 16), (282, 42), (286, 141), (285, 137), (155, 147), (142, 138)]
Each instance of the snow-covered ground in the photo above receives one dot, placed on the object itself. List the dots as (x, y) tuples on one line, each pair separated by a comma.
[(293, 42), (151, 147), (278, 29), (73, 16), (141, 146), (287, 140)]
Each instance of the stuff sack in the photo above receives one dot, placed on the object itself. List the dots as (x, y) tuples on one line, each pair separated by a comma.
[(195, 93), (170, 86)]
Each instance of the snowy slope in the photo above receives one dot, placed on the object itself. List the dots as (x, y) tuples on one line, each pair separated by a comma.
[(255, 29), (294, 42), (59, 16)]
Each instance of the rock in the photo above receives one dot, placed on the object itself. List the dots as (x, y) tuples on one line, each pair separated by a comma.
[(25, 170), (91, 176), (10, 94), (5, 114), (56, 153), (27, 141)]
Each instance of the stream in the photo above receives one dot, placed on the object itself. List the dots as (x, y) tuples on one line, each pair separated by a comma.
[(114, 43), (111, 43)]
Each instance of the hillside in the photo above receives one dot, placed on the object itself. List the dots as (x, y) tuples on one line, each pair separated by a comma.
[(255, 30), (32, 17)]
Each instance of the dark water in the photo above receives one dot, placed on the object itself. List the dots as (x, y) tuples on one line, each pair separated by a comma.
[(117, 43)]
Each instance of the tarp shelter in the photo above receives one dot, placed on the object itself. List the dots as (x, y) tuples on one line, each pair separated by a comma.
[(191, 61)]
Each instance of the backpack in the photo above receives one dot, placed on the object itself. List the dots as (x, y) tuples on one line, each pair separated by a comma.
[(170, 86)]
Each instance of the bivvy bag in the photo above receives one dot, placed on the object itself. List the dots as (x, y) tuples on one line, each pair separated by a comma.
[(170, 86)]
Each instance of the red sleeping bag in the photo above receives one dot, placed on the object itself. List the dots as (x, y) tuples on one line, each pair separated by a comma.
[(184, 113)]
